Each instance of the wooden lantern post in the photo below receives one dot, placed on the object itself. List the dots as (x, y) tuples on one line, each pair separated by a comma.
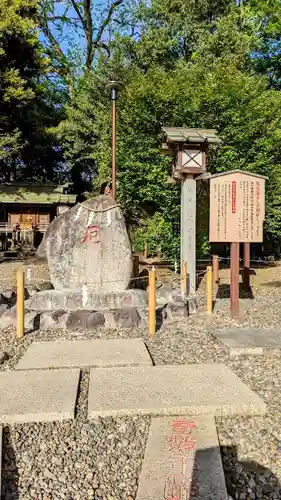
[(189, 147)]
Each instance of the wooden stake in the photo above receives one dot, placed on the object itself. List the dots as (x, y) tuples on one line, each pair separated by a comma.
[(234, 280), (151, 301), (209, 290), (20, 303), (246, 272), (145, 250), (184, 278), (136, 264), (215, 263)]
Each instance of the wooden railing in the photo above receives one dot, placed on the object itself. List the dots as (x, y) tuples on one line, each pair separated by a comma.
[(6, 228)]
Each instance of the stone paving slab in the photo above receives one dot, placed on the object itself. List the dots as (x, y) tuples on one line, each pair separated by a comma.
[(40, 396), (255, 341), (85, 353), (170, 390), (182, 458)]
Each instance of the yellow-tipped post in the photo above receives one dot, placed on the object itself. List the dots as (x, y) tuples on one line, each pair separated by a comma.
[(151, 301), (184, 278), (209, 290), (20, 303), (145, 253)]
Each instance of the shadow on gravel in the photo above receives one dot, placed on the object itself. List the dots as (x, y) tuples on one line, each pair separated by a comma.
[(10, 475), (223, 292), (248, 479), (271, 284), (243, 480)]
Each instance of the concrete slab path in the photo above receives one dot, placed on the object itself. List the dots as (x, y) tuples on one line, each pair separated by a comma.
[(85, 353), (41, 396), (170, 390), (253, 341), (182, 460)]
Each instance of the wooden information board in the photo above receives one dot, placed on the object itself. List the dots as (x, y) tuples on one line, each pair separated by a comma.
[(236, 207)]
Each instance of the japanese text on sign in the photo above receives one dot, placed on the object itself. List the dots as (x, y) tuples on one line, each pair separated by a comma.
[(236, 208)]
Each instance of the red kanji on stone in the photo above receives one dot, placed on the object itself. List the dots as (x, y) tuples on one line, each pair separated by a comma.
[(91, 234)]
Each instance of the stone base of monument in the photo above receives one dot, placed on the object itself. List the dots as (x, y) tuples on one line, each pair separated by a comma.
[(73, 300), (83, 310), (77, 320)]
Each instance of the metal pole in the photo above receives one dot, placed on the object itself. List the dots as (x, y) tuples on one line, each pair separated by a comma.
[(234, 283), (113, 173)]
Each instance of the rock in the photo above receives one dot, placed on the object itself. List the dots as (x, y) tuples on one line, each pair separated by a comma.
[(49, 475), (164, 294), (3, 357), (3, 308), (45, 285), (36, 270), (31, 290), (10, 295), (84, 319), (31, 319), (174, 312), (71, 300), (88, 245), (7, 295), (52, 320), (123, 318), (192, 305)]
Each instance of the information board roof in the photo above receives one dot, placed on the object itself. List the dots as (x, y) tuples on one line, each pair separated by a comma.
[(237, 171)]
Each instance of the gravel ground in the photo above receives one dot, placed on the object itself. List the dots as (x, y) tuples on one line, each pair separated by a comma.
[(76, 459), (102, 460)]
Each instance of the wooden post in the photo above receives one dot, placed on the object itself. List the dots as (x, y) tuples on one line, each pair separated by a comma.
[(209, 290), (136, 264), (145, 250), (246, 272), (184, 279), (151, 301), (215, 263), (20, 303), (234, 280)]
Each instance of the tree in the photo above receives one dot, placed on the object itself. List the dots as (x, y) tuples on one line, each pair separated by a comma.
[(27, 105), (191, 65), (86, 26)]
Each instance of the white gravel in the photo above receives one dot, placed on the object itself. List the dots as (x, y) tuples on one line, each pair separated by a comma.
[(102, 460)]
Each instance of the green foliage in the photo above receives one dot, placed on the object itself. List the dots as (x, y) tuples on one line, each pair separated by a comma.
[(27, 104), (197, 63), (191, 65)]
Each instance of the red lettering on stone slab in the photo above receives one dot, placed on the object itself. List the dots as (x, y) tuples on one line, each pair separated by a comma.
[(172, 489), (92, 234), (182, 425), (181, 443), (233, 197)]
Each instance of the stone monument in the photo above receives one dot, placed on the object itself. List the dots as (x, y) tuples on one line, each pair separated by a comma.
[(89, 257)]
